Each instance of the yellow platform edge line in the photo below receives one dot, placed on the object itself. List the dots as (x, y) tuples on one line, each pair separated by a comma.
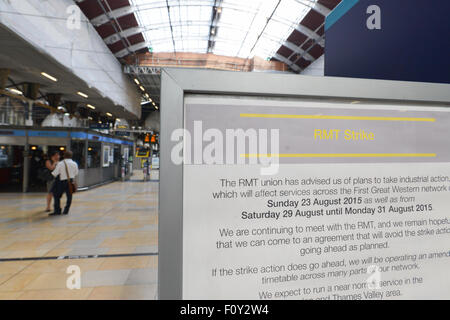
[(342, 155), (320, 117)]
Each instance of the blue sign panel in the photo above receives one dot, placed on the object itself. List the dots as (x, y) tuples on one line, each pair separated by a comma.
[(94, 137), (12, 133), (108, 139), (78, 135), (49, 134), (391, 40)]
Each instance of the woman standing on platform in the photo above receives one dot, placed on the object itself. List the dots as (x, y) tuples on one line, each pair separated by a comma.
[(50, 164)]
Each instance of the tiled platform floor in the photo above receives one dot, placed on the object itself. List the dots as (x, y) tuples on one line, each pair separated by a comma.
[(119, 218)]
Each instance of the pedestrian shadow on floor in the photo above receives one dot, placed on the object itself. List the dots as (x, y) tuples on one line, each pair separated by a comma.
[(32, 217)]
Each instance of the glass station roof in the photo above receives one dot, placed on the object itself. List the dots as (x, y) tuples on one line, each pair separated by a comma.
[(241, 28)]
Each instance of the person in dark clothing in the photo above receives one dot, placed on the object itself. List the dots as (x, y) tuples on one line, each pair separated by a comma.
[(50, 165), (65, 171)]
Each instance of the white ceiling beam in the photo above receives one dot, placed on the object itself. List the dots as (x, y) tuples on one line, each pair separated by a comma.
[(299, 50), (315, 6), (321, 9), (308, 32), (103, 18), (124, 52), (124, 34)]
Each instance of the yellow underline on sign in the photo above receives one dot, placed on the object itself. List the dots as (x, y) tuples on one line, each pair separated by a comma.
[(341, 155), (322, 117)]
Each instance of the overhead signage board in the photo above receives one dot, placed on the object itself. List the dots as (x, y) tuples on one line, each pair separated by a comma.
[(391, 40), (122, 133), (100, 126), (272, 196)]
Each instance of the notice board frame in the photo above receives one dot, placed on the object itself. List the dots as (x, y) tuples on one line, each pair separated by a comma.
[(176, 83)]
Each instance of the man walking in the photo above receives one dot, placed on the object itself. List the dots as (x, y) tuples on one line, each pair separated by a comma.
[(65, 173)]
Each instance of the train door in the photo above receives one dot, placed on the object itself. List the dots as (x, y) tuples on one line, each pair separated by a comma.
[(11, 167)]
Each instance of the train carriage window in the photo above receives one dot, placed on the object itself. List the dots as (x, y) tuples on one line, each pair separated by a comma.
[(94, 154), (11, 156), (11, 168), (78, 149), (116, 154)]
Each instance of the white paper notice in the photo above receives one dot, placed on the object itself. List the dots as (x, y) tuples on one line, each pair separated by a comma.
[(359, 208), (312, 231)]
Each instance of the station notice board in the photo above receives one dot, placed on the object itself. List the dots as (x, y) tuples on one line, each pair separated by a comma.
[(354, 204)]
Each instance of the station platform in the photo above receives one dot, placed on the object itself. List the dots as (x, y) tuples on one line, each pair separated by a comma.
[(111, 234)]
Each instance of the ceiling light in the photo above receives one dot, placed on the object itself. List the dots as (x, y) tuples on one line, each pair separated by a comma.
[(109, 114), (84, 95), (16, 91), (142, 88), (90, 118), (90, 106), (60, 108), (137, 81), (156, 107), (49, 76), (67, 114)]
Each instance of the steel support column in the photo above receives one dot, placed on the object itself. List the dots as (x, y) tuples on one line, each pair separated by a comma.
[(4, 74)]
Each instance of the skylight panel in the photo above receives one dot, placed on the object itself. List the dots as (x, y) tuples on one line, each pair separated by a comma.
[(244, 28)]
